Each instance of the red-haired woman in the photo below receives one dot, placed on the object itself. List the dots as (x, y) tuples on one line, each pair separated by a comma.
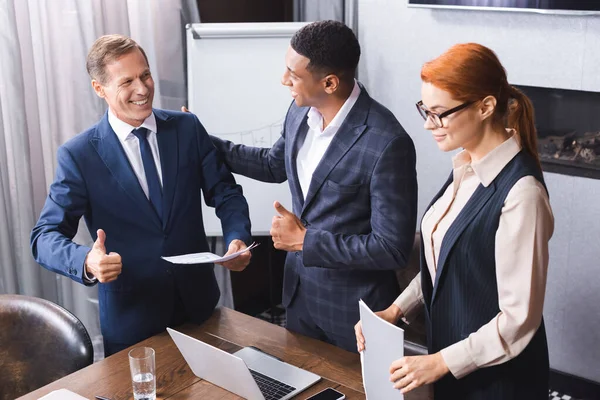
[(484, 251)]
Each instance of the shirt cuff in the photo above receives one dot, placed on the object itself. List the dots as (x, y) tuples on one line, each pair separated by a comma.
[(458, 359), (411, 300), (86, 277), (410, 304)]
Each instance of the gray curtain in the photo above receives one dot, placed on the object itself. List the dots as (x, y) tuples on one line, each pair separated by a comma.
[(46, 98), (318, 10)]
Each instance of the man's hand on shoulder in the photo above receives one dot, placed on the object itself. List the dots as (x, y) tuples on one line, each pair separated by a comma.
[(240, 262), (105, 267)]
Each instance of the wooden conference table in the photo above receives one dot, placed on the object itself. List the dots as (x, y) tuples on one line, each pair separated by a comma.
[(228, 330)]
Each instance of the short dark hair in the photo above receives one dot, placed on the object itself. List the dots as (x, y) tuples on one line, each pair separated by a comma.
[(107, 49), (331, 47)]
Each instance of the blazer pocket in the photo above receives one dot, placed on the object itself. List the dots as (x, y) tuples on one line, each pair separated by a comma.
[(343, 188)]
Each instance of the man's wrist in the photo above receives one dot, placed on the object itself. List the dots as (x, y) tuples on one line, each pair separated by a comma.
[(300, 246), (244, 240), (441, 363), (239, 243), (87, 273)]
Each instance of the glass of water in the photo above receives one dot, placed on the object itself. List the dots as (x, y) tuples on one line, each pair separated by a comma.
[(141, 363)]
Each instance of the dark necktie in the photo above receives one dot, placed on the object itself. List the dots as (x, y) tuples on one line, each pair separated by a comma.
[(154, 189)]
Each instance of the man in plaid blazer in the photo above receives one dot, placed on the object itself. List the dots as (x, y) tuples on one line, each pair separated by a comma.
[(351, 170)]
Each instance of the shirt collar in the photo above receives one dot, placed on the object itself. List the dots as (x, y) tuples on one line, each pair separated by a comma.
[(315, 119), (488, 168), (123, 129)]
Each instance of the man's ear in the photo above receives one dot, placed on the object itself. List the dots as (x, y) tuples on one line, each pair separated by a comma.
[(331, 83), (487, 107), (98, 88)]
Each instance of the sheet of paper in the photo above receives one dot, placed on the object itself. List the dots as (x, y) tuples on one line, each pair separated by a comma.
[(62, 394), (202, 258), (384, 344)]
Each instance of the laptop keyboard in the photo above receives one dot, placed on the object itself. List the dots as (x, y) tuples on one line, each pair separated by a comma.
[(271, 388)]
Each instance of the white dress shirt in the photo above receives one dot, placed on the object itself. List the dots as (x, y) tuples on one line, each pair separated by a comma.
[(318, 139), (521, 253), (131, 145)]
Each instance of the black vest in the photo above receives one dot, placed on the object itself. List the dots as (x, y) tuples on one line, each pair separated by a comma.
[(465, 295)]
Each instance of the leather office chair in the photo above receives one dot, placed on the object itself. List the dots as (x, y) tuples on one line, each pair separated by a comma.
[(40, 342), (415, 337)]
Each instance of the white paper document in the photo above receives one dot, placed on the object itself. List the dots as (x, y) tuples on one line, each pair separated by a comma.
[(62, 394), (202, 258), (384, 344)]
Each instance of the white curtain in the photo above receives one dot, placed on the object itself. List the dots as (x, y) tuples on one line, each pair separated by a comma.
[(46, 98)]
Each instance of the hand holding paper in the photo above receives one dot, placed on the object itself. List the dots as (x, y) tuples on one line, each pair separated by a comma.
[(391, 314), (241, 260), (385, 369), (384, 343), (409, 373), (205, 258)]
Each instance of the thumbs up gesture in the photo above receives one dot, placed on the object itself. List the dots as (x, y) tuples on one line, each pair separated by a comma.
[(105, 267), (287, 230)]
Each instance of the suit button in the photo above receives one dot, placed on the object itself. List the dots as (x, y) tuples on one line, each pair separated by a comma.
[(304, 222)]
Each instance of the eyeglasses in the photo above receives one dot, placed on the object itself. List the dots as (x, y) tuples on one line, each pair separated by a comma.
[(437, 118)]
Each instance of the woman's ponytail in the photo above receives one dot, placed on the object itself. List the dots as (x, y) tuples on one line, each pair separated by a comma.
[(521, 117)]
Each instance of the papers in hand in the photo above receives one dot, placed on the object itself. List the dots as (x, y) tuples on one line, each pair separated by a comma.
[(384, 344), (202, 258)]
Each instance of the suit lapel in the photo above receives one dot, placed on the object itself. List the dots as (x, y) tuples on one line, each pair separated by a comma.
[(468, 213), (107, 144), (348, 133), (426, 277), (299, 121), (167, 146)]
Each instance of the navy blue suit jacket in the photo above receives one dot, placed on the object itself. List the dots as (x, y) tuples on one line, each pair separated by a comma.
[(360, 210), (95, 180)]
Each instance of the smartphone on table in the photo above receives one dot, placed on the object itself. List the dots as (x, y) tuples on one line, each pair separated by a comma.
[(327, 394)]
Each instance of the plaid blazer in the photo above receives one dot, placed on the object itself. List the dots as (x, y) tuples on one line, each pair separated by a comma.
[(360, 210)]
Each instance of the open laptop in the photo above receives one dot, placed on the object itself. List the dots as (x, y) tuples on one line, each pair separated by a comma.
[(249, 372)]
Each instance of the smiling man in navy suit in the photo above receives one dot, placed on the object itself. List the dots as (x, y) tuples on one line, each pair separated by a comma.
[(351, 170), (137, 177)]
